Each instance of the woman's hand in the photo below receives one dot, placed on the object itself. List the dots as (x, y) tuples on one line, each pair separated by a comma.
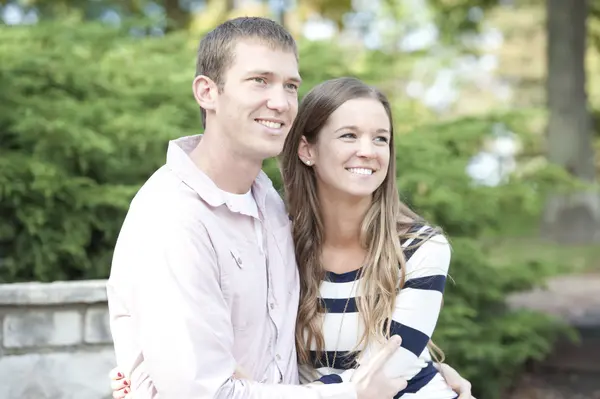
[(121, 386)]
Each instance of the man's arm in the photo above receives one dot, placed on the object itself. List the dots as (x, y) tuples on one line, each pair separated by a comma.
[(121, 385), (458, 384), (182, 323)]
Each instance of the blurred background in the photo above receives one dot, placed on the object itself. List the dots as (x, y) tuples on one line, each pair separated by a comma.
[(497, 114)]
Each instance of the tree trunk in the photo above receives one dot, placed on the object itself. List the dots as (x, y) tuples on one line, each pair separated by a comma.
[(176, 17), (573, 217)]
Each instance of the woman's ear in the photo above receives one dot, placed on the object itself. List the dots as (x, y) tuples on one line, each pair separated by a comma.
[(305, 152)]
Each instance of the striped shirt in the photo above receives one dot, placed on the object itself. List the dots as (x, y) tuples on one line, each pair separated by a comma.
[(415, 316)]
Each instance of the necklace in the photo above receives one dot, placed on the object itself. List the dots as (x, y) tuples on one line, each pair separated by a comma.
[(337, 342)]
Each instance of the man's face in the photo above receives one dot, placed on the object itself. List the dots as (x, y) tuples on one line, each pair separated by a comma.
[(259, 100)]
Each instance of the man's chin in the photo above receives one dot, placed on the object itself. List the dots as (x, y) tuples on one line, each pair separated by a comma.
[(270, 148)]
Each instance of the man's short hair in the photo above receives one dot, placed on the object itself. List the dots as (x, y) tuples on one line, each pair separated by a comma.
[(215, 52)]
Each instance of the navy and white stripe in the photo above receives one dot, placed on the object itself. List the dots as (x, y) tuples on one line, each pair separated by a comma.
[(415, 316)]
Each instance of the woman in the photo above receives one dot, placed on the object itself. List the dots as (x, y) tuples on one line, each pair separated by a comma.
[(364, 257)]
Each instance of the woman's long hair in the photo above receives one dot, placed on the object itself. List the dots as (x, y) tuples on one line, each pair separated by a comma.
[(386, 222)]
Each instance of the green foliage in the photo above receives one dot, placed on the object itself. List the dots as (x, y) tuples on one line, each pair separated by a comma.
[(446, 194), (85, 115), (489, 342), (452, 16)]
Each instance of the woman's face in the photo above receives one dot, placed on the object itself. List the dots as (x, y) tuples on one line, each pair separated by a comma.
[(352, 152)]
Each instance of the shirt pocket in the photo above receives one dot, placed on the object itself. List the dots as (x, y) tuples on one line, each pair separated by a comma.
[(246, 280)]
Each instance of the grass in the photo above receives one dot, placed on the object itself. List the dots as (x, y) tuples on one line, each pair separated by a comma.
[(571, 259)]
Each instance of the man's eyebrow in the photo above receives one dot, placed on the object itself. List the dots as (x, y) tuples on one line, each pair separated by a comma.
[(296, 78)]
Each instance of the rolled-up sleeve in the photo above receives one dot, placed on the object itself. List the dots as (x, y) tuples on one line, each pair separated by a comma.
[(182, 323)]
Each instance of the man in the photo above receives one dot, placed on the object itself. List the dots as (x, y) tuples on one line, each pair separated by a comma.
[(204, 281)]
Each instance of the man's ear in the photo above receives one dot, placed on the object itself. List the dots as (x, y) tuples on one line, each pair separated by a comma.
[(205, 92)]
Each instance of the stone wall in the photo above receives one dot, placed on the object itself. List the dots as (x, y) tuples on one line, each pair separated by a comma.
[(55, 341)]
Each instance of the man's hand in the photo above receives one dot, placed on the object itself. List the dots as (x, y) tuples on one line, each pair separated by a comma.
[(120, 385), (370, 380), (455, 381)]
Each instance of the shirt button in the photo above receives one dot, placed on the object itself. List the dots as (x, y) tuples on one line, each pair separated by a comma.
[(272, 305), (278, 357), (239, 260)]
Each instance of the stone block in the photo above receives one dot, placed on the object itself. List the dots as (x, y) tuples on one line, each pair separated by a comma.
[(79, 375), (47, 327), (97, 326), (58, 292), (1, 336)]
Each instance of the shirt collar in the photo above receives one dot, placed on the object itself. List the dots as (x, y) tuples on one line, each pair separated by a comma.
[(179, 161)]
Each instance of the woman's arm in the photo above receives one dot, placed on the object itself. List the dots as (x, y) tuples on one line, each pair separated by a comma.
[(418, 305)]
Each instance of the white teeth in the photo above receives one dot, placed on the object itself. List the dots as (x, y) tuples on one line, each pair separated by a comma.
[(360, 171), (269, 124)]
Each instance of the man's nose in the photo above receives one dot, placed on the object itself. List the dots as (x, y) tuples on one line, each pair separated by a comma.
[(279, 99)]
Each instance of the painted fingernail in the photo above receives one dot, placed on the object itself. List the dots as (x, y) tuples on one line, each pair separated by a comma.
[(125, 383), (119, 375), (126, 391)]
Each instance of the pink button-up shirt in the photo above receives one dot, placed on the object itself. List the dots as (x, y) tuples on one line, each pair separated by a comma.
[(191, 295)]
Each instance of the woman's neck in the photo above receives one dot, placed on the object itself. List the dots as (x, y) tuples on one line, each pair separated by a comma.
[(342, 219)]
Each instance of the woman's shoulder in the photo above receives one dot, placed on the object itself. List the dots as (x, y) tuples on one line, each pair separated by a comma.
[(420, 232), (424, 239)]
